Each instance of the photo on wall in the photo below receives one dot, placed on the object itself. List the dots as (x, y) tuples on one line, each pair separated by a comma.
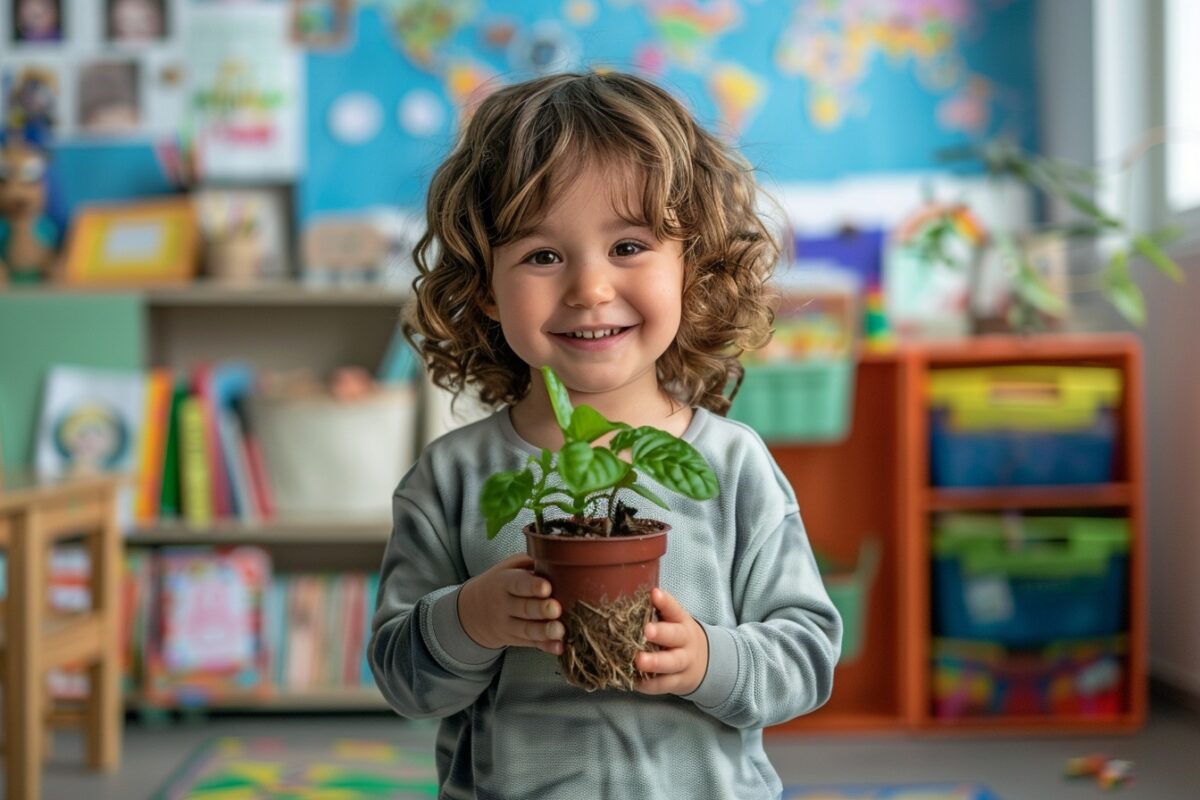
[(321, 24), (37, 21), (135, 21), (109, 97), (30, 98)]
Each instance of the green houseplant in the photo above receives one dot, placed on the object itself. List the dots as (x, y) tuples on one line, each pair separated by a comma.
[(1071, 185), (600, 557)]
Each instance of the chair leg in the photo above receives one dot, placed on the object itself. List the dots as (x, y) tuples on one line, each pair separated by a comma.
[(103, 716), (24, 714), (104, 711)]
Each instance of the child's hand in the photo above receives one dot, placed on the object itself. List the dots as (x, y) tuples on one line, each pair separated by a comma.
[(682, 662), (509, 605)]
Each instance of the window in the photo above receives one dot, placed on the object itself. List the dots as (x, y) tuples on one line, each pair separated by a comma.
[(1182, 73)]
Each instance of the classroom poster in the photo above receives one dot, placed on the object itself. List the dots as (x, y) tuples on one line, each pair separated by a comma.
[(245, 91)]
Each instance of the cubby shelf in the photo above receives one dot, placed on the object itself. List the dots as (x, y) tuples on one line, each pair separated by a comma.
[(876, 483), (1108, 495)]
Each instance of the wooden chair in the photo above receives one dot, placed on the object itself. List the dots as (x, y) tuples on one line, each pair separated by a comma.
[(34, 515)]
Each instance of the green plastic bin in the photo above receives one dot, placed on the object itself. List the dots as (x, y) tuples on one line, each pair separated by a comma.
[(1022, 581), (849, 590), (797, 401)]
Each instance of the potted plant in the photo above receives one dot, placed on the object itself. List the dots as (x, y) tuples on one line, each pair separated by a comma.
[(1033, 301), (600, 557)]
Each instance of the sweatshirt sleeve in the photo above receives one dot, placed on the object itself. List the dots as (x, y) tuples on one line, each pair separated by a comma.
[(778, 661), (424, 663)]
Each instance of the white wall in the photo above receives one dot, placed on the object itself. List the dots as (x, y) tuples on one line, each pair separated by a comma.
[(1173, 448), (1071, 117)]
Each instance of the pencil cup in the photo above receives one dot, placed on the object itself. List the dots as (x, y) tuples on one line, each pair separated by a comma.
[(234, 258)]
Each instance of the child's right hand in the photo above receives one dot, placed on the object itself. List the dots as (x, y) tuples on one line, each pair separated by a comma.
[(509, 605)]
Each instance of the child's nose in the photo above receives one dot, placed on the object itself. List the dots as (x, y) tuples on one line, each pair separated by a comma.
[(590, 286)]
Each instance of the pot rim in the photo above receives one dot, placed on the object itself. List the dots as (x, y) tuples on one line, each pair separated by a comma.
[(528, 531)]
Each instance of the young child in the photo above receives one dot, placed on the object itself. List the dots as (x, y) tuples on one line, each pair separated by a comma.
[(588, 223)]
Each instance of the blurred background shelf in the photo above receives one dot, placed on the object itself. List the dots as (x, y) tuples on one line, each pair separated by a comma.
[(305, 530), (1109, 495), (350, 699), (876, 485), (282, 293)]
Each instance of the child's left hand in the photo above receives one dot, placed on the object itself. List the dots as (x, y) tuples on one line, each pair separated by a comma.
[(679, 667)]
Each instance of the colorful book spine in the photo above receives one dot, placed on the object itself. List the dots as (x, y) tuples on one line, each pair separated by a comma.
[(194, 464), (259, 478), (237, 467), (222, 502), (169, 502), (153, 446)]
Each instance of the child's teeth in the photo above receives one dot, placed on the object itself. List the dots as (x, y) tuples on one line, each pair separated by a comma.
[(594, 334)]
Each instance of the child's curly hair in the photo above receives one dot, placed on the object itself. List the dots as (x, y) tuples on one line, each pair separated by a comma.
[(520, 145)]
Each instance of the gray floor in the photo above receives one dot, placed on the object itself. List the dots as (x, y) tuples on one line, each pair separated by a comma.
[(1166, 754)]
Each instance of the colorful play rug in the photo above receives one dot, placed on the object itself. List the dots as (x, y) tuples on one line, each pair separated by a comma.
[(941, 791), (268, 768)]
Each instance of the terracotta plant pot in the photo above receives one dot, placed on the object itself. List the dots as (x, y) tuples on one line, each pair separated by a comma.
[(596, 570)]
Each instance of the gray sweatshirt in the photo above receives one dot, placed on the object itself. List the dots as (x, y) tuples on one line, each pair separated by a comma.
[(513, 728)]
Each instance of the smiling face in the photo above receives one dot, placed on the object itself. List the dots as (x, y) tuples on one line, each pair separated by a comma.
[(591, 291)]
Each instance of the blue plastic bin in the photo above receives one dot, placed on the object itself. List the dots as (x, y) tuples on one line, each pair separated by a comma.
[(1026, 581), (1023, 426)]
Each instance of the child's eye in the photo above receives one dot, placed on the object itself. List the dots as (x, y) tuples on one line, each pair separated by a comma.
[(626, 249), (543, 258)]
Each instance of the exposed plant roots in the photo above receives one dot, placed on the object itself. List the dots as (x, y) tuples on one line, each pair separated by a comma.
[(601, 643)]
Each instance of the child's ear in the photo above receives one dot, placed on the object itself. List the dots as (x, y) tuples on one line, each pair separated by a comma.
[(491, 310)]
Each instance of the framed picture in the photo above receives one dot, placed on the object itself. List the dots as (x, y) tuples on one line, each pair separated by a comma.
[(37, 21), (135, 21), (320, 24), (131, 245), (109, 100)]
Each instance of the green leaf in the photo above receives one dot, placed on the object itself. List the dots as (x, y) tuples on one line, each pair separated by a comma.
[(1122, 292), (1166, 235), (1086, 206), (645, 492), (1154, 254), (1034, 290), (588, 425), (559, 399), (503, 496), (588, 469), (1079, 230), (625, 439), (674, 463)]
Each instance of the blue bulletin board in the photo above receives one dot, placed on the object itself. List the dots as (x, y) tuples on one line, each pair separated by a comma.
[(810, 90)]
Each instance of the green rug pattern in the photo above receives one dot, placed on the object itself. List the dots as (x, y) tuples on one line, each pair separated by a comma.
[(270, 768)]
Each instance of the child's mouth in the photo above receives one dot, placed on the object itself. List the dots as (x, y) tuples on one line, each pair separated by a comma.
[(594, 340)]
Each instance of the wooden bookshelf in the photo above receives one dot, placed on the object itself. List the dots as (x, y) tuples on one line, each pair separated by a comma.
[(280, 293), (876, 482), (301, 530), (365, 698), (281, 326)]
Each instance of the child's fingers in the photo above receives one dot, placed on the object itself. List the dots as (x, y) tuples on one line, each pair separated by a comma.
[(531, 631), (533, 608), (545, 636), (668, 607), (522, 583), (666, 634), (663, 662)]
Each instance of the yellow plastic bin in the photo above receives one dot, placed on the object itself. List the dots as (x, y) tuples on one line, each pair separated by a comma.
[(1023, 425)]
